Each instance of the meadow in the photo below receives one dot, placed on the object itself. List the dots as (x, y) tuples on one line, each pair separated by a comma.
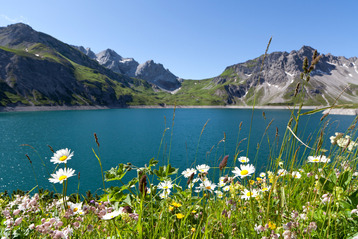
[(308, 190)]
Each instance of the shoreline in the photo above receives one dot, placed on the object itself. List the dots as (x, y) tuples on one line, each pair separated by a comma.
[(62, 108)]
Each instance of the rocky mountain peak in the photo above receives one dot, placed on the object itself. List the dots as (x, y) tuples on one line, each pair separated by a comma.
[(87, 51), (158, 75)]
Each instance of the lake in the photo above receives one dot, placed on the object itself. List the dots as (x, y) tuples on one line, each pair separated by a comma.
[(134, 135)]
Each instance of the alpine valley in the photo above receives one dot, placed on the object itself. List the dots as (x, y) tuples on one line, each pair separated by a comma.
[(39, 70)]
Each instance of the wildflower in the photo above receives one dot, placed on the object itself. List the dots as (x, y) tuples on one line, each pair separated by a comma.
[(219, 194), (76, 207), (244, 170), (171, 208), (346, 142), (271, 225), (247, 194), (166, 185), (61, 156), (318, 159), (265, 189), (243, 159), (251, 182), (164, 194), (193, 229), (207, 185), (281, 172), (176, 204), (188, 172), (259, 228), (296, 174), (61, 175), (226, 188), (180, 215), (335, 138), (262, 175), (111, 215), (280, 164), (259, 180), (203, 168)]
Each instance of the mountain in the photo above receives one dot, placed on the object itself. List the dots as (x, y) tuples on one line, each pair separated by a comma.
[(37, 69), (149, 71), (275, 84)]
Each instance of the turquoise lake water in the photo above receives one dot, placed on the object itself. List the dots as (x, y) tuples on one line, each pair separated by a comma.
[(134, 135)]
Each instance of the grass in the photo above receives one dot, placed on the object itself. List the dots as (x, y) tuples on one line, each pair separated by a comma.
[(308, 190), (300, 196)]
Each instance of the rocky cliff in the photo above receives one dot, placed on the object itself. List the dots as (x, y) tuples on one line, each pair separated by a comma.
[(149, 71), (276, 81)]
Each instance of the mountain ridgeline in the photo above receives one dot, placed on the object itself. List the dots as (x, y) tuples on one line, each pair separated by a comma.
[(39, 70)]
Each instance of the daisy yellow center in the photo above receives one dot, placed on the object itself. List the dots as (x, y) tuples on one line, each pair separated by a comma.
[(265, 189), (315, 160), (63, 158), (63, 177), (165, 187), (208, 187), (244, 172), (75, 209), (249, 194)]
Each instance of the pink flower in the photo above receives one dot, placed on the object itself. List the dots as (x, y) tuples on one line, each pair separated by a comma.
[(18, 221)]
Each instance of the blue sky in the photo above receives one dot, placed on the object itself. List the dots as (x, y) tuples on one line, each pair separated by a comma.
[(194, 39)]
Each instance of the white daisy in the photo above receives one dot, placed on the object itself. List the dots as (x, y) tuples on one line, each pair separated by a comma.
[(243, 159), (164, 194), (247, 194), (219, 194), (112, 215), (188, 172), (61, 175), (166, 185), (265, 189), (203, 168), (262, 175), (296, 174), (244, 170), (226, 188), (207, 185), (61, 156), (76, 207), (318, 159), (281, 172)]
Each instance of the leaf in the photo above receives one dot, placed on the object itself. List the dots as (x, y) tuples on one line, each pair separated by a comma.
[(327, 185), (153, 162), (344, 179), (354, 198), (165, 171), (116, 173)]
